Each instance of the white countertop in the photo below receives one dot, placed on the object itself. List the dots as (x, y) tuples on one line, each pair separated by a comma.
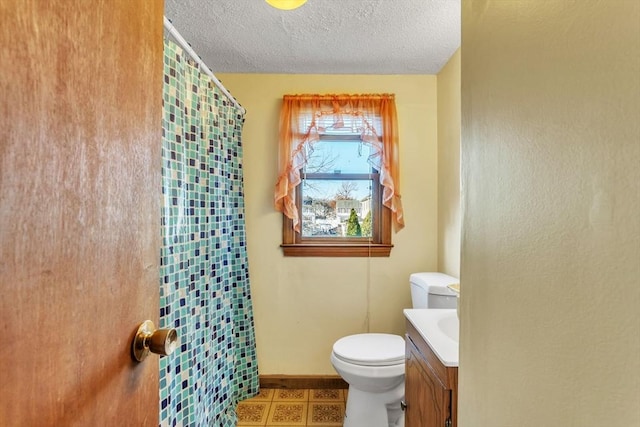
[(440, 329)]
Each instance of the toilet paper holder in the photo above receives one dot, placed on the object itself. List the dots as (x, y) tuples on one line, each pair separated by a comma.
[(149, 339)]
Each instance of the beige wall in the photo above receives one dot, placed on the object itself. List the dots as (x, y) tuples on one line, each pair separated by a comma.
[(449, 167), (550, 326), (302, 305)]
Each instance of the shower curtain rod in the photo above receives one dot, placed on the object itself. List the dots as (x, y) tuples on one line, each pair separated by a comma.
[(185, 45)]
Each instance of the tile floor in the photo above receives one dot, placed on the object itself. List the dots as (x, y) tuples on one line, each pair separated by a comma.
[(293, 407)]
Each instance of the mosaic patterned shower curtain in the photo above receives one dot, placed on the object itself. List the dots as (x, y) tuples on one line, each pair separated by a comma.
[(204, 289)]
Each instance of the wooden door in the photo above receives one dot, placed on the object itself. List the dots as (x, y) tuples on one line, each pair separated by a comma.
[(80, 128)]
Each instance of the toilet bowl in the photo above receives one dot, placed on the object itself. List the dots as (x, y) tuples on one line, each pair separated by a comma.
[(373, 366)]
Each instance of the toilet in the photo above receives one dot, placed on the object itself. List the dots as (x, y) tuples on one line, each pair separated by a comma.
[(373, 364)]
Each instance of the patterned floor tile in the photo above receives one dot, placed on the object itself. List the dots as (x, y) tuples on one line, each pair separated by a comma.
[(265, 395), (290, 395), (252, 413), (326, 395), (312, 408), (325, 414), (287, 414)]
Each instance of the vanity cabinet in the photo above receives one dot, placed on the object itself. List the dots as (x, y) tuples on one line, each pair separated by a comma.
[(431, 389)]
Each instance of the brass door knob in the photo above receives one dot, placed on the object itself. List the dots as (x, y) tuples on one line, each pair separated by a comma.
[(149, 339)]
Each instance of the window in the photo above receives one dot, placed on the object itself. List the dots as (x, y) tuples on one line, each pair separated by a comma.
[(336, 188)]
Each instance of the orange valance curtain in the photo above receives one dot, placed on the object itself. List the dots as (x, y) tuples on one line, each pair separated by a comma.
[(304, 117)]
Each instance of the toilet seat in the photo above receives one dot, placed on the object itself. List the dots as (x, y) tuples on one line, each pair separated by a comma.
[(370, 349)]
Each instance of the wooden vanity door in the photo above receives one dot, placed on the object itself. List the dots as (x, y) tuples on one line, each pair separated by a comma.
[(428, 401)]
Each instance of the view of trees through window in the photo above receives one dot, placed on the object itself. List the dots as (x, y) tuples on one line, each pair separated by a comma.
[(337, 189)]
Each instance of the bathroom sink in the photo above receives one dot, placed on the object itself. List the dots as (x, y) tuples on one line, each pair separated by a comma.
[(450, 326), (440, 329)]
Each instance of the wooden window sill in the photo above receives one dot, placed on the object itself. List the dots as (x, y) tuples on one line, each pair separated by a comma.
[(336, 250)]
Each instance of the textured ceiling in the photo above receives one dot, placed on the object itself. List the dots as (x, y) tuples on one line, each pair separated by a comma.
[(322, 36)]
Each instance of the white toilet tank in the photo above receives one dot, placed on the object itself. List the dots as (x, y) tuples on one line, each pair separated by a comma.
[(429, 290)]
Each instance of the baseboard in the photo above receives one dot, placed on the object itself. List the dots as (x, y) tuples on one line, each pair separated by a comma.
[(302, 381)]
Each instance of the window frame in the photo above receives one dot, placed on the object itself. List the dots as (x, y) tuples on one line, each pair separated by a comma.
[(378, 245)]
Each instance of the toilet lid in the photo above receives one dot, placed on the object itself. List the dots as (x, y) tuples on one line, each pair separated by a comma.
[(370, 349)]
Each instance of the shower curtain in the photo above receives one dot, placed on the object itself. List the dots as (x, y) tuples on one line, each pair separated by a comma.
[(204, 289)]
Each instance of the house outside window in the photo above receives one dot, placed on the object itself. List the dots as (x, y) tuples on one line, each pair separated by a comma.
[(336, 186)]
